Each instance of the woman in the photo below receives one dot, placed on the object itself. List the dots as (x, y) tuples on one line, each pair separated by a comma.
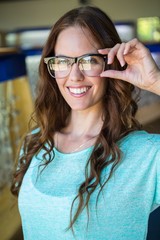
[(86, 171)]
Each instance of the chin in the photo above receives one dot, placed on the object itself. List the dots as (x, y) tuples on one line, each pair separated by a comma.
[(78, 108), (82, 108)]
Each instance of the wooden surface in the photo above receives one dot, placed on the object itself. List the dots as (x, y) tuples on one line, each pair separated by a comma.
[(8, 50)]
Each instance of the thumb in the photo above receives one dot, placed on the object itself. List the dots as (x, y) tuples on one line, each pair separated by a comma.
[(114, 74)]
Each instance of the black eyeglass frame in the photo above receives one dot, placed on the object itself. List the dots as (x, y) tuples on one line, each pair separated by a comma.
[(74, 60)]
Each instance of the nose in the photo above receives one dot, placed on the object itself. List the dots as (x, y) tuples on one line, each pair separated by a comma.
[(75, 73)]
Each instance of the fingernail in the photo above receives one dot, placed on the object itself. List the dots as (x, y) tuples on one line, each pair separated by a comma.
[(125, 52), (122, 63), (102, 75)]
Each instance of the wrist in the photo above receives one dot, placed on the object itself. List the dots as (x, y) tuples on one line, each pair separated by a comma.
[(155, 88)]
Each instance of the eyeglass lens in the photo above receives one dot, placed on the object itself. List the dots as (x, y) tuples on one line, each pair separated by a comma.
[(60, 67)]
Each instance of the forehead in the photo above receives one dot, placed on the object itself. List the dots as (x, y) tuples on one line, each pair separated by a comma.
[(75, 41)]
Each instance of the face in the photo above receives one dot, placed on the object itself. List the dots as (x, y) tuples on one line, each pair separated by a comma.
[(79, 91)]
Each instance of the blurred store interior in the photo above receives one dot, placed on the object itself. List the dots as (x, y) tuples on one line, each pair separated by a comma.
[(24, 27)]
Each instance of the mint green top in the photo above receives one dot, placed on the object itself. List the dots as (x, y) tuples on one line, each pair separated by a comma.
[(123, 207)]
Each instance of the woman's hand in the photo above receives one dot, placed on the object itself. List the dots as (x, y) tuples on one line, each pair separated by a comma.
[(141, 70)]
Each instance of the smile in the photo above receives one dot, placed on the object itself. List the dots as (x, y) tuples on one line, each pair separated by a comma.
[(78, 91)]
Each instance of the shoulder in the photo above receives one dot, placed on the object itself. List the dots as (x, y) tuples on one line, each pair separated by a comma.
[(140, 149), (34, 131), (27, 136), (141, 140)]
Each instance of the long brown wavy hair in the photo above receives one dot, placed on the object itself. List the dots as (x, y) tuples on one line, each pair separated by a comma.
[(51, 110)]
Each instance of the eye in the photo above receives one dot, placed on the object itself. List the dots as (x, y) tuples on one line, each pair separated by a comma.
[(85, 60), (94, 60), (61, 61)]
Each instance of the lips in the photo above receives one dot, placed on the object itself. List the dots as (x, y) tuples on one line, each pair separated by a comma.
[(78, 90)]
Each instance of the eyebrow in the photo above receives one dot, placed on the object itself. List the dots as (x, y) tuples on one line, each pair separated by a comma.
[(60, 55)]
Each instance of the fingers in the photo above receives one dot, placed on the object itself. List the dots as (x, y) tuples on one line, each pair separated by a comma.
[(120, 54), (117, 51), (131, 45), (121, 50)]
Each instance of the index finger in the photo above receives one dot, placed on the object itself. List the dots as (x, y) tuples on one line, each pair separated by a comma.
[(104, 50)]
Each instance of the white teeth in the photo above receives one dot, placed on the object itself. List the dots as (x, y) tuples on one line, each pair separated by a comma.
[(79, 90)]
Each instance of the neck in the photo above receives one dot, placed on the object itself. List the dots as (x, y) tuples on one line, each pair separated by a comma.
[(84, 123), (81, 132)]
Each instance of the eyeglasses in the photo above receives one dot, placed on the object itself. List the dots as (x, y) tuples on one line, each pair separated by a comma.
[(90, 65)]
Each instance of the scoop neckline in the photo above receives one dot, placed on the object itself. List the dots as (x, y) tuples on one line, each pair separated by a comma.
[(73, 153), (119, 142)]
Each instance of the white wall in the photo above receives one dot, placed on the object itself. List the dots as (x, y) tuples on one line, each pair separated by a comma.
[(33, 13)]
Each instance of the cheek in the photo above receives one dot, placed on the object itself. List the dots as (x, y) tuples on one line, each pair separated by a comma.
[(62, 89), (102, 85), (60, 84)]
